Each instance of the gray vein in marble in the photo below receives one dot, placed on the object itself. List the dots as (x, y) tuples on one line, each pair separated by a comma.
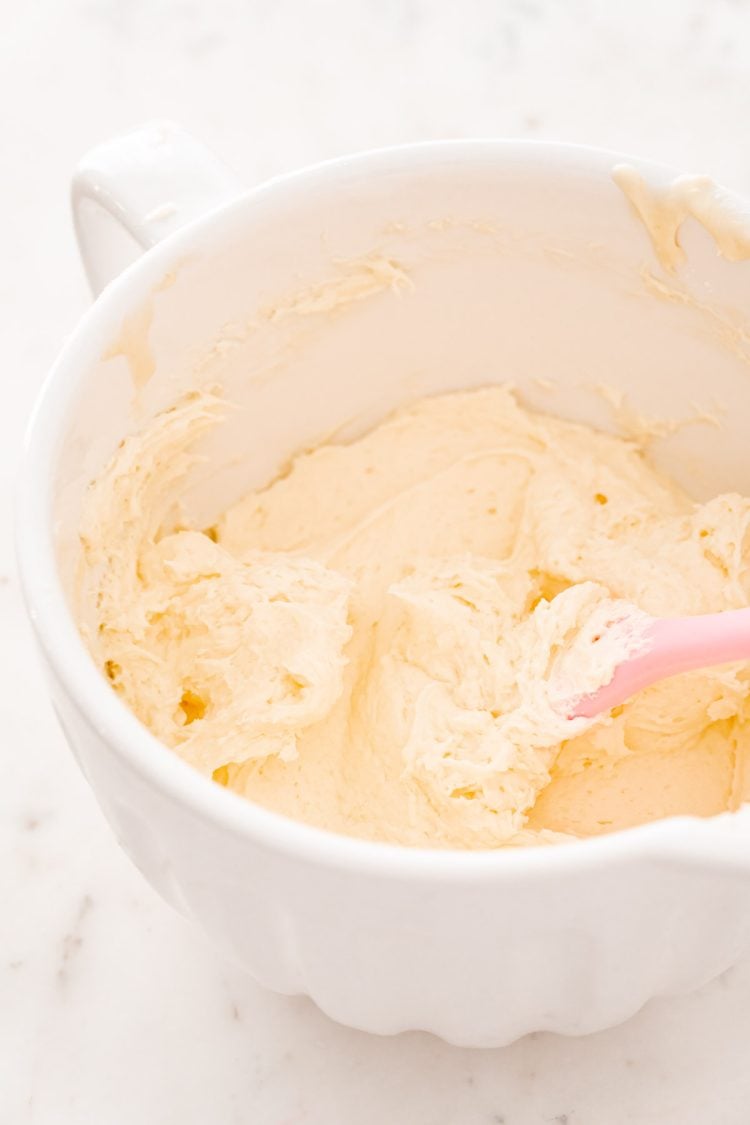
[(72, 942)]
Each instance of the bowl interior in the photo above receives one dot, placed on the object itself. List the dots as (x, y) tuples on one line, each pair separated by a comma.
[(320, 302)]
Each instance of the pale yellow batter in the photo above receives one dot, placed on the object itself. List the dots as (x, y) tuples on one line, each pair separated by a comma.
[(382, 641)]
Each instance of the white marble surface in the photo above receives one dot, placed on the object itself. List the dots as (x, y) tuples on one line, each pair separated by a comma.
[(112, 1010)]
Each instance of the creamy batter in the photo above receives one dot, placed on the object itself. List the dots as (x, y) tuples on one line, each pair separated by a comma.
[(382, 641)]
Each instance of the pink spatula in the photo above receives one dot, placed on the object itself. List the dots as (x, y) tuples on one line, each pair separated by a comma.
[(673, 645)]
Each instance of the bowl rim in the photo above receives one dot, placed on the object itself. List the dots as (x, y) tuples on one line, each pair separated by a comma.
[(680, 839)]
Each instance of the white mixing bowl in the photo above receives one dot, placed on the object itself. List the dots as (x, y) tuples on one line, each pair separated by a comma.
[(526, 263)]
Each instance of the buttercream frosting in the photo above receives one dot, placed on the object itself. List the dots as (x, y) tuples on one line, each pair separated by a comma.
[(382, 641)]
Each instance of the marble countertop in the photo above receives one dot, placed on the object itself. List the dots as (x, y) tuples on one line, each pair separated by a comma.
[(113, 1010)]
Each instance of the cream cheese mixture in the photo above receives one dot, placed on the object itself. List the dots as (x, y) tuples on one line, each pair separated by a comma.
[(382, 641)]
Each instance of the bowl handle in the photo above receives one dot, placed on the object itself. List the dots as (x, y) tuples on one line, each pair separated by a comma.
[(131, 191)]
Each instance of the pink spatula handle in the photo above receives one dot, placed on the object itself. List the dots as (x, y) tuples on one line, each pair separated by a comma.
[(675, 644)]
